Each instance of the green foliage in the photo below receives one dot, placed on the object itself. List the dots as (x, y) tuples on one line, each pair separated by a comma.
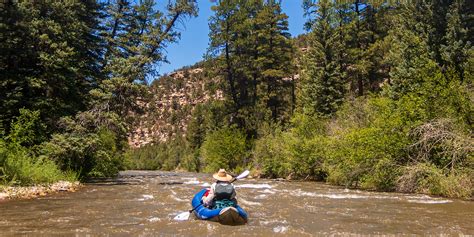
[(322, 89), (270, 154), (168, 155), (19, 161), (83, 66), (225, 148), (87, 153), (27, 129), (251, 51), (49, 58), (21, 167)]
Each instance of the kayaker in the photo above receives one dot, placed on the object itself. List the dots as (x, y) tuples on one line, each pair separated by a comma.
[(222, 191)]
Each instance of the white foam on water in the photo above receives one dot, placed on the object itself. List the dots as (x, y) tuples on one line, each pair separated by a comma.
[(206, 185), (280, 229), (192, 182), (344, 196), (249, 203), (189, 178), (425, 201), (147, 196), (268, 191), (154, 219), (300, 193), (261, 196), (257, 186)]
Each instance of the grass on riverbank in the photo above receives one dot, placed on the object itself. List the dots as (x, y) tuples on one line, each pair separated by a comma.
[(21, 161)]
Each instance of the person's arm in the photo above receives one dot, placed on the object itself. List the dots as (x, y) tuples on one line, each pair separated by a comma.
[(208, 200)]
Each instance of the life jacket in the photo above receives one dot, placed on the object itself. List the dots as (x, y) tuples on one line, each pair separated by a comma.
[(223, 190)]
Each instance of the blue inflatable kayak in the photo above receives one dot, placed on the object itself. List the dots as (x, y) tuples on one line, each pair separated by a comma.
[(226, 216)]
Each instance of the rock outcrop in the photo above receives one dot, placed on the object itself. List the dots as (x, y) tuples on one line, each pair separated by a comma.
[(174, 97)]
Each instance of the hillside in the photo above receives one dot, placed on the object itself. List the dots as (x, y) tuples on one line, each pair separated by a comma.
[(174, 96)]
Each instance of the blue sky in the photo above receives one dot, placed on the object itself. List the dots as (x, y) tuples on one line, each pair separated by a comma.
[(195, 35)]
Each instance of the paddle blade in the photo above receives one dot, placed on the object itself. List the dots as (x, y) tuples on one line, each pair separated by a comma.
[(243, 175), (184, 216)]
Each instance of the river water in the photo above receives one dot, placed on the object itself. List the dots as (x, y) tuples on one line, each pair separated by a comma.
[(143, 203)]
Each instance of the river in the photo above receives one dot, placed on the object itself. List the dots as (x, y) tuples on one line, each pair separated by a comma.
[(143, 203)]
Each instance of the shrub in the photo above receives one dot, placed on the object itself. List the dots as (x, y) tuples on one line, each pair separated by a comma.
[(192, 161), (92, 154), (458, 184), (421, 178), (19, 163), (24, 169), (442, 143), (224, 148), (365, 150), (271, 155), (306, 157)]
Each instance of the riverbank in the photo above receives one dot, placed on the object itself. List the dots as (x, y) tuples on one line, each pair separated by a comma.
[(14, 192)]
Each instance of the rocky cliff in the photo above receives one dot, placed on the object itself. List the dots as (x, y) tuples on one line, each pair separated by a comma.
[(174, 97)]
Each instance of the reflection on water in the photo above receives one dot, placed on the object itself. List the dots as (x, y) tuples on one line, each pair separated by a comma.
[(143, 203)]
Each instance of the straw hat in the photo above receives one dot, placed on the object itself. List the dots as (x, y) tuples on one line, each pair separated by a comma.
[(222, 175)]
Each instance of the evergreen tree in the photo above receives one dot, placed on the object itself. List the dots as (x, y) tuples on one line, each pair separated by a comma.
[(455, 51), (222, 45), (409, 57), (252, 50), (274, 61), (49, 57), (322, 86)]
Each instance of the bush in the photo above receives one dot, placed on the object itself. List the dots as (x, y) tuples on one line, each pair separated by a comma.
[(24, 169), (367, 147), (306, 157), (91, 154), (224, 148), (458, 184), (421, 178), (192, 161), (271, 155), (19, 163)]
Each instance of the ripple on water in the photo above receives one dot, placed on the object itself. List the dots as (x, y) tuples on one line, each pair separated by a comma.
[(154, 219), (249, 203), (261, 196), (268, 191), (299, 193), (177, 198), (146, 197)]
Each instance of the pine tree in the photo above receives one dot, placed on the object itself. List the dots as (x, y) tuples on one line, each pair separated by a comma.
[(222, 45), (135, 36), (252, 52), (455, 52), (274, 61), (322, 86), (410, 59), (49, 57)]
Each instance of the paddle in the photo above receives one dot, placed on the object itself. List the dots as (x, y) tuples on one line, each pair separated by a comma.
[(185, 215)]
